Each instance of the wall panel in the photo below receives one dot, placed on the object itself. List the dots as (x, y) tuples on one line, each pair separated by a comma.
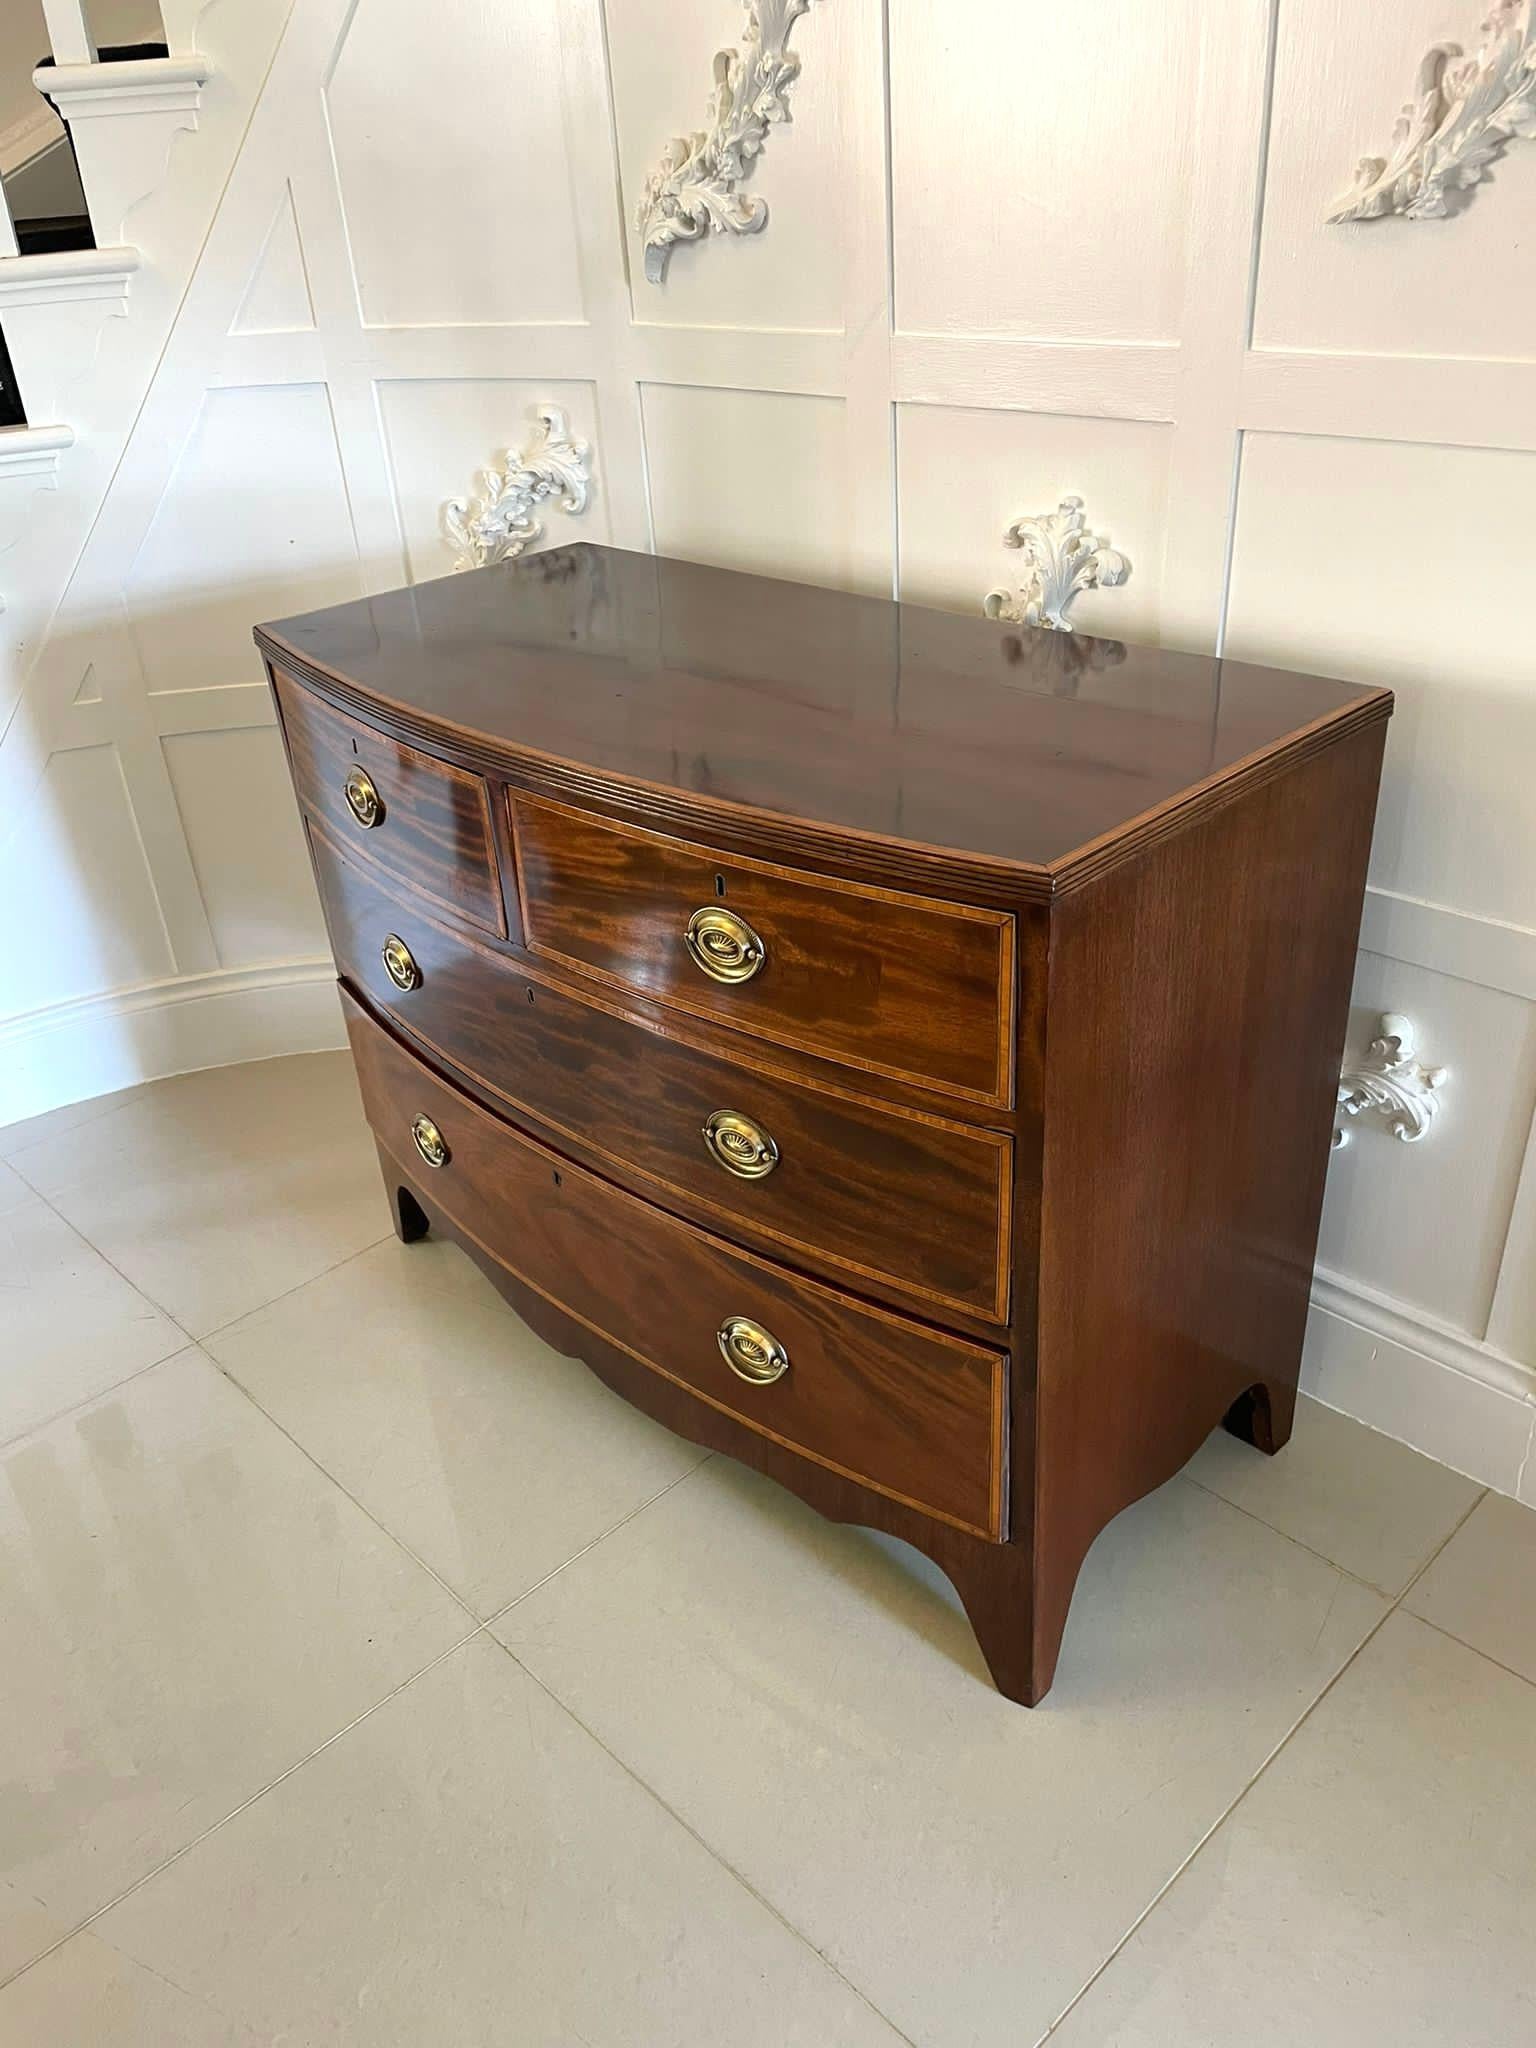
[(441, 432), (254, 522), (749, 479), (442, 118), (792, 274), (1396, 563), (1385, 287), (1041, 166), (965, 474), (260, 895)]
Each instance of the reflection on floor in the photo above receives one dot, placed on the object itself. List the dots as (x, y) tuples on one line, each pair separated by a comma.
[(372, 1675)]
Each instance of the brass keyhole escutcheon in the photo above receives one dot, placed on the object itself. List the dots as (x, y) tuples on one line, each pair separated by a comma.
[(739, 1145), (399, 964), (430, 1142), (363, 799), (723, 945), (752, 1352)]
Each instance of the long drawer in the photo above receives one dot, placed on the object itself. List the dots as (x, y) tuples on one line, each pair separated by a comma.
[(911, 1412), (916, 1203), (891, 983), (419, 818)]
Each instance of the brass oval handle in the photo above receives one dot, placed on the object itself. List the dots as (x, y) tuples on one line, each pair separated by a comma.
[(363, 799), (723, 945), (399, 963), (430, 1142), (751, 1352), (739, 1145)]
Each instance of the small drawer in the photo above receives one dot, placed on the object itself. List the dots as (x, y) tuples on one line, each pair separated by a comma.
[(913, 1413), (894, 984), (916, 1204), (418, 817)]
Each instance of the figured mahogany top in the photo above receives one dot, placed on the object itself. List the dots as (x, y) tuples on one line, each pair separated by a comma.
[(1036, 749)]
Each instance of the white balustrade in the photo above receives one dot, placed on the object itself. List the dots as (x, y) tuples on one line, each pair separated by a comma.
[(69, 33)]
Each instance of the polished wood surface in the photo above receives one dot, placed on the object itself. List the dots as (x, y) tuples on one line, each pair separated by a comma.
[(913, 1206), (1196, 1023), (434, 829), (914, 1413), (1033, 906), (890, 984), (854, 714)]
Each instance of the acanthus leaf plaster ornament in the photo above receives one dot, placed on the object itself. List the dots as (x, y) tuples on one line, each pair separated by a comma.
[(695, 189), (1064, 559), (500, 523), (1463, 112), (1391, 1082)]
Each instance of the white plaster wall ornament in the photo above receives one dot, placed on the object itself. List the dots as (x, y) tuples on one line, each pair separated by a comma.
[(1064, 559), (1389, 1081), (1463, 112), (696, 188), (501, 523)]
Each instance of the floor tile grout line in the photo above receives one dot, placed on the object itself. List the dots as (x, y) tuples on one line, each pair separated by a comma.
[(1461, 1642), (722, 1862), (298, 1287), (1284, 1742), (1333, 1564), (244, 1806), (326, 1473), (47, 1422), (576, 1555)]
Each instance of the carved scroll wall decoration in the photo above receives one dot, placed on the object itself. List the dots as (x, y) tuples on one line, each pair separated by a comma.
[(1064, 560), (501, 523), (1390, 1082), (696, 188), (1463, 112)]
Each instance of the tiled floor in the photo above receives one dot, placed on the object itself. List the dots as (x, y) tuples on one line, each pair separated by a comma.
[(372, 1675)]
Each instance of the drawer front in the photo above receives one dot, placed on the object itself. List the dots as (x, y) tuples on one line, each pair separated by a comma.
[(915, 1202), (417, 817), (912, 1413), (895, 984)]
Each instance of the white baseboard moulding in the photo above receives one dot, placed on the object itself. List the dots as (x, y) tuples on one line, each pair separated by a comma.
[(1461, 1402), (99, 1044)]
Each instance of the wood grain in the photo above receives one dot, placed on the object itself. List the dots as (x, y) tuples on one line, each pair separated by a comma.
[(889, 984), (904, 1410), (914, 1205), (435, 831)]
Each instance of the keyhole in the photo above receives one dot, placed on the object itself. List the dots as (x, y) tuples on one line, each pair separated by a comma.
[(530, 995), (555, 1177), (719, 885)]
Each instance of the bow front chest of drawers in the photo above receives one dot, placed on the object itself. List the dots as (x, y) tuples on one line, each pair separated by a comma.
[(890, 1049)]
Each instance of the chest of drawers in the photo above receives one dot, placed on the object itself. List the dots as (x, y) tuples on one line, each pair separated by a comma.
[(891, 1050)]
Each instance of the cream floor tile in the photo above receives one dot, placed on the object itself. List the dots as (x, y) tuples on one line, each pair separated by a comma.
[(87, 1995), (811, 1700), (70, 1327), (467, 1867), (492, 1456), (1374, 1886), (1369, 1504), (1482, 1587), (52, 1122), (216, 1191), (188, 1608), (13, 1191)]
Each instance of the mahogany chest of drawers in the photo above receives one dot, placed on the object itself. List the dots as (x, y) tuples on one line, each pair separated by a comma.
[(890, 1049)]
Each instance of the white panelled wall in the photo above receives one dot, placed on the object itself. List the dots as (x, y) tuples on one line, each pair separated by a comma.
[(1014, 251)]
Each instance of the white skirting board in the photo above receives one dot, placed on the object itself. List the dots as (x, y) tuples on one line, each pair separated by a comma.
[(73, 1051), (1463, 1404)]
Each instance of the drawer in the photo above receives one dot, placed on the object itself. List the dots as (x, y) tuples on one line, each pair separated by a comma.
[(912, 1413), (895, 984), (916, 1203), (417, 817)]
